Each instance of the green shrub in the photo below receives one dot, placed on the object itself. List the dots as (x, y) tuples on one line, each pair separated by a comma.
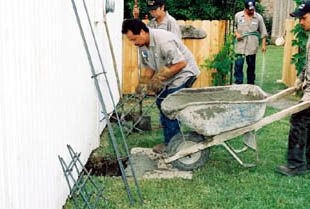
[(221, 62), (195, 9), (299, 59)]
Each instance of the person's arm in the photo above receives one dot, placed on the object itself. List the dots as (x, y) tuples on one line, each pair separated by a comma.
[(301, 76), (263, 31), (298, 84), (238, 35), (148, 73), (168, 72), (177, 67), (165, 73), (175, 60), (175, 63)]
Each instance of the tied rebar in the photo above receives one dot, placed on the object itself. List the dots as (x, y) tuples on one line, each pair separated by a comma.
[(94, 72), (84, 192)]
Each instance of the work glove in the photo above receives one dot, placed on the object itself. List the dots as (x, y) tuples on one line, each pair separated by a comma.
[(155, 85), (164, 74), (298, 84)]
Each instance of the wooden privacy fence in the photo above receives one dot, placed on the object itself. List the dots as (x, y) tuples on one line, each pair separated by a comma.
[(288, 70), (201, 49)]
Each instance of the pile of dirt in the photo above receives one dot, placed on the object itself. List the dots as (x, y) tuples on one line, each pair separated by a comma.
[(104, 166)]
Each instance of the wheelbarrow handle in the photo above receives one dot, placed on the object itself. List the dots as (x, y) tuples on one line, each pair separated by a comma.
[(281, 94)]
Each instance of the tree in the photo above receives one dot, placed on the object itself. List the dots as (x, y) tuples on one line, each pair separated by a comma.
[(195, 9)]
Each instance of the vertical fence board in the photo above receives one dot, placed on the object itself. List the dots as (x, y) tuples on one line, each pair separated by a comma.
[(288, 70), (200, 54), (130, 64)]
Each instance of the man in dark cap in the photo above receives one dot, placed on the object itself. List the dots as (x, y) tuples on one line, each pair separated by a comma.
[(161, 18), (249, 28), (298, 156)]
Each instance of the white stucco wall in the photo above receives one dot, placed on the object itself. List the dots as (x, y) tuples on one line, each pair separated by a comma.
[(47, 98)]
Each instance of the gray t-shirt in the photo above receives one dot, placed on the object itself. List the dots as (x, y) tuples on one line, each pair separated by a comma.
[(168, 24), (249, 44), (167, 49)]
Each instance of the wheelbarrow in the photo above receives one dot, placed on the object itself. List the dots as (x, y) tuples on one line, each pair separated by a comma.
[(217, 115)]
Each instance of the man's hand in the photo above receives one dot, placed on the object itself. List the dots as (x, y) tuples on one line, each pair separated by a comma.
[(164, 74), (238, 36), (156, 85), (298, 84)]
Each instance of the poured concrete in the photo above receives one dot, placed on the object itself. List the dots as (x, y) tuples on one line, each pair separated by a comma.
[(213, 110), (150, 165)]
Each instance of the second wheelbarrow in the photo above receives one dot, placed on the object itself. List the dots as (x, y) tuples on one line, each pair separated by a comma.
[(219, 114)]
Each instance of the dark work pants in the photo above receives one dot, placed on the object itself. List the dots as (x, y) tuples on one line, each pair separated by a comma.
[(171, 127), (299, 140), (250, 60)]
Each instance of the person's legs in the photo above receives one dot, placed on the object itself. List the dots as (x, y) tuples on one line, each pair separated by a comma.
[(296, 141), (297, 144), (251, 61), (239, 69), (170, 127), (307, 121)]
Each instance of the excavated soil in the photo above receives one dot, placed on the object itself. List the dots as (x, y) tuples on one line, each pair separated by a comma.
[(100, 166)]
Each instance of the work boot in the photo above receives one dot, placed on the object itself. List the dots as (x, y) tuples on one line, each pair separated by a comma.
[(291, 170), (159, 148)]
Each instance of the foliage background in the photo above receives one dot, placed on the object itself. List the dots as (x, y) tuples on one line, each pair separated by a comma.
[(299, 59), (195, 9), (199, 10)]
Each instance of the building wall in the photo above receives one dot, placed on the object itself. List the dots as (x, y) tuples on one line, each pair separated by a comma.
[(47, 96)]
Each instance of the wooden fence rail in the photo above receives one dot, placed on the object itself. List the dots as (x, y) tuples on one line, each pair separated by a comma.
[(201, 48)]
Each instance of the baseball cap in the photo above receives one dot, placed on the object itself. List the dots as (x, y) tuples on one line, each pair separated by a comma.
[(303, 9), (154, 4), (249, 4)]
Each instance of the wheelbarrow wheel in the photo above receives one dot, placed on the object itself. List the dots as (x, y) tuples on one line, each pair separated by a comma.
[(192, 161)]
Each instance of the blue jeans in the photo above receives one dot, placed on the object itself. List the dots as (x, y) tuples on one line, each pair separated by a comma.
[(170, 127), (250, 60)]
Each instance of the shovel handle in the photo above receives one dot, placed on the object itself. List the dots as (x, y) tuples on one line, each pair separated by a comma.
[(281, 94)]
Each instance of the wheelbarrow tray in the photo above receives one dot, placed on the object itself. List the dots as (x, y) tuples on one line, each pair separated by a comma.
[(213, 110)]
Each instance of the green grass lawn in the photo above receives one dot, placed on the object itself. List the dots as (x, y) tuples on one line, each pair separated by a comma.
[(222, 182), (273, 69)]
